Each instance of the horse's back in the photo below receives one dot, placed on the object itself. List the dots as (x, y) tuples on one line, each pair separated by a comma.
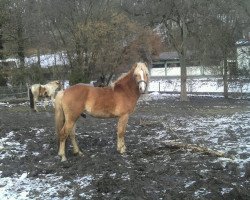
[(83, 92), (96, 101), (87, 89)]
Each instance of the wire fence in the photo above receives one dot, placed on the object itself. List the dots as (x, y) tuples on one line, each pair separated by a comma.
[(13, 92)]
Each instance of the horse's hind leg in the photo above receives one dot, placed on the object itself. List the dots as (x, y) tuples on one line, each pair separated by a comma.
[(63, 135), (62, 140), (122, 123), (76, 149)]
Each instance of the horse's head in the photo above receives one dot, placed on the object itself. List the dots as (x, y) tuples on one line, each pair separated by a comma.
[(58, 84), (43, 92), (141, 76)]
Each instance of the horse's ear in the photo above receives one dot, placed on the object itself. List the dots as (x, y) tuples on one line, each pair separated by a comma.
[(146, 64), (134, 66)]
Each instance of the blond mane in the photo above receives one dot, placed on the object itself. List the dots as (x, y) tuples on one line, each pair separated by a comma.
[(121, 77), (124, 75)]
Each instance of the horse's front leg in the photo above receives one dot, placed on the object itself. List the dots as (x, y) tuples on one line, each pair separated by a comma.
[(35, 102), (122, 123), (45, 103), (52, 98)]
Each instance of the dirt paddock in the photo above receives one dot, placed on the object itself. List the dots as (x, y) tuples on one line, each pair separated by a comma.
[(150, 169)]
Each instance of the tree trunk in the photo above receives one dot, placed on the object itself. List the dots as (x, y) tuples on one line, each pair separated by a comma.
[(38, 58), (225, 77), (20, 45), (1, 43), (79, 55), (182, 56), (184, 96)]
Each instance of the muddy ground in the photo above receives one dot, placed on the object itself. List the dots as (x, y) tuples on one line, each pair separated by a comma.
[(149, 170)]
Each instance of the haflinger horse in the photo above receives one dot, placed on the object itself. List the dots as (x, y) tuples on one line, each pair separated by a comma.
[(38, 91), (116, 101)]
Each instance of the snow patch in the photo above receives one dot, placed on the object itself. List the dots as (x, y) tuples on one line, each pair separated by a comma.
[(21, 187)]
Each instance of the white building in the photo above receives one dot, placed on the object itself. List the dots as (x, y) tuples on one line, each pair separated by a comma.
[(168, 65), (243, 54)]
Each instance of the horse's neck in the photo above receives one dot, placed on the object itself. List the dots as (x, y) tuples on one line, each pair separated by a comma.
[(50, 87), (129, 86)]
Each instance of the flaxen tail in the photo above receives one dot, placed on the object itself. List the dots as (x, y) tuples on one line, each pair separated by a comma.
[(59, 113), (31, 96)]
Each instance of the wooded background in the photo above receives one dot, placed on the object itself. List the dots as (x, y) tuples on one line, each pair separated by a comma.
[(103, 37)]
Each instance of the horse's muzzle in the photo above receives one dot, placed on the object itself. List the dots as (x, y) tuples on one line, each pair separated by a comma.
[(142, 86)]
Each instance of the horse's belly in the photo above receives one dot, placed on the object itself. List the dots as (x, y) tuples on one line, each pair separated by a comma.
[(101, 105), (103, 112)]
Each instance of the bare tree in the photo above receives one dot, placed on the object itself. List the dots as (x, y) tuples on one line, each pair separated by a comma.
[(98, 36), (3, 21), (207, 29), (16, 29), (222, 25), (66, 20), (94, 34), (174, 19)]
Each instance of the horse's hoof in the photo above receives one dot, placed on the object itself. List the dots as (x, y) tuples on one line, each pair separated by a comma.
[(122, 150), (63, 158), (79, 153)]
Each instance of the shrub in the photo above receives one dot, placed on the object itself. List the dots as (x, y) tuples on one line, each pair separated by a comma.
[(78, 75), (3, 80)]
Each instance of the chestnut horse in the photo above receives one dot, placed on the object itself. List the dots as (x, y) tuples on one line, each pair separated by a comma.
[(38, 91), (116, 101)]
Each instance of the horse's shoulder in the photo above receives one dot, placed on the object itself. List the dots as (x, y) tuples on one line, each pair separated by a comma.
[(118, 87)]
